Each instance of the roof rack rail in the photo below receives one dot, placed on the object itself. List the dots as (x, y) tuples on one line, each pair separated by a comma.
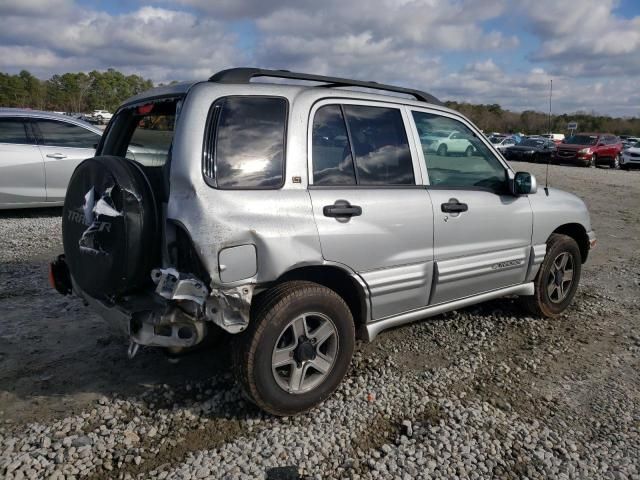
[(244, 75)]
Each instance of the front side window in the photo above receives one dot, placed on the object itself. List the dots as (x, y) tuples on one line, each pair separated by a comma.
[(249, 142), (63, 134), (460, 160), (12, 130)]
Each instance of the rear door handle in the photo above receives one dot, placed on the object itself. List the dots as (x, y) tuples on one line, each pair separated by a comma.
[(56, 155), (454, 206), (342, 208)]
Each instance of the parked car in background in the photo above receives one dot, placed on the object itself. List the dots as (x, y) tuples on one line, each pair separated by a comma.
[(38, 153), (590, 150), (101, 116), (629, 142), (630, 157), (531, 150), (40, 150), (502, 142), (557, 138), (445, 143)]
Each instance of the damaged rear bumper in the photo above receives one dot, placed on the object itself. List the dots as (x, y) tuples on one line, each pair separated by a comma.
[(177, 314)]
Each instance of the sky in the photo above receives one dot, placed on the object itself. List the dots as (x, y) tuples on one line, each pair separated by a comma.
[(479, 51)]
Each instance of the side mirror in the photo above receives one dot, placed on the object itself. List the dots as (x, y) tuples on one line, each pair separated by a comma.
[(524, 184)]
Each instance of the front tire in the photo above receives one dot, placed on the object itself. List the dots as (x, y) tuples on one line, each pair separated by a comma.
[(442, 150), (297, 349), (615, 163), (557, 280)]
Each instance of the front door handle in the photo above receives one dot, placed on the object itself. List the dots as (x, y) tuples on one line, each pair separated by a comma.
[(56, 155), (454, 206), (342, 208)]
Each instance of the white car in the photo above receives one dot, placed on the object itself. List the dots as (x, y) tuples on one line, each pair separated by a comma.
[(102, 115), (502, 143), (630, 157), (444, 143), (38, 153)]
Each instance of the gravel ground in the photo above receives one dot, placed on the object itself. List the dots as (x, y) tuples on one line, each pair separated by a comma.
[(484, 392)]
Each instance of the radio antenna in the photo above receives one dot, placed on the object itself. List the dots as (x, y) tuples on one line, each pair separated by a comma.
[(546, 180)]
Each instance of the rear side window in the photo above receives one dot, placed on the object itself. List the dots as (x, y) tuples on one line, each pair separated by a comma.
[(63, 134), (249, 143), (355, 144), (12, 130), (331, 152)]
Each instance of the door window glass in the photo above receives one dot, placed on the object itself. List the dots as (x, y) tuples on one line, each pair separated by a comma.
[(63, 134), (331, 153), (461, 162), (249, 142), (379, 142), (12, 130)]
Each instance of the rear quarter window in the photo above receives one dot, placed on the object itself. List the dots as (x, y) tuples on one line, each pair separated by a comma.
[(248, 143)]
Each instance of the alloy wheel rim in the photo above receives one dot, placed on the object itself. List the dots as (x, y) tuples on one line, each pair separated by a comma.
[(305, 353), (560, 277)]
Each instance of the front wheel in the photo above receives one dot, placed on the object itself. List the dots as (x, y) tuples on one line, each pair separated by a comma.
[(442, 150), (593, 162), (297, 349), (615, 163), (557, 280)]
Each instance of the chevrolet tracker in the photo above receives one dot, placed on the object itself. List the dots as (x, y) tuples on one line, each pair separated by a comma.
[(297, 218)]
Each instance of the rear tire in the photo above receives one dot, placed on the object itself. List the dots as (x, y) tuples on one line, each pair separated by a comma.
[(297, 349), (469, 151), (557, 280)]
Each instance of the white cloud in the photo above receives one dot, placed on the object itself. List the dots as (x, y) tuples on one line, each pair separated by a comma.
[(585, 38), (169, 43), (34, 7), (445, 47)]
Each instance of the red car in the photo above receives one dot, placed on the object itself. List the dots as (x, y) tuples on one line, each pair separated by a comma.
[(590, 150)]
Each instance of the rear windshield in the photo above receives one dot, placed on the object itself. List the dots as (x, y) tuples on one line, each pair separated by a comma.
[(143, 133)]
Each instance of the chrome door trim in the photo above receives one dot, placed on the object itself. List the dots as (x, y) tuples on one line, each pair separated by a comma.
[(374, 328)]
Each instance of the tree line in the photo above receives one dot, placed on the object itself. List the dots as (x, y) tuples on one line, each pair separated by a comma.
[(84, 92), (70, 92), (492, 118)]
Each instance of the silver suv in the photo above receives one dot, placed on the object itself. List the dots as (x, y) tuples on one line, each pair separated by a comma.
[(298, 218)]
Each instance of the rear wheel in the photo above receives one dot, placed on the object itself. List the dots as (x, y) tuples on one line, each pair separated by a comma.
[(469, 151), (557, 280), (297, 348)]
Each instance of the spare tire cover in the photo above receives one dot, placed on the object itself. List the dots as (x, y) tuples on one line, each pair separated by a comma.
[(109, 226)]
